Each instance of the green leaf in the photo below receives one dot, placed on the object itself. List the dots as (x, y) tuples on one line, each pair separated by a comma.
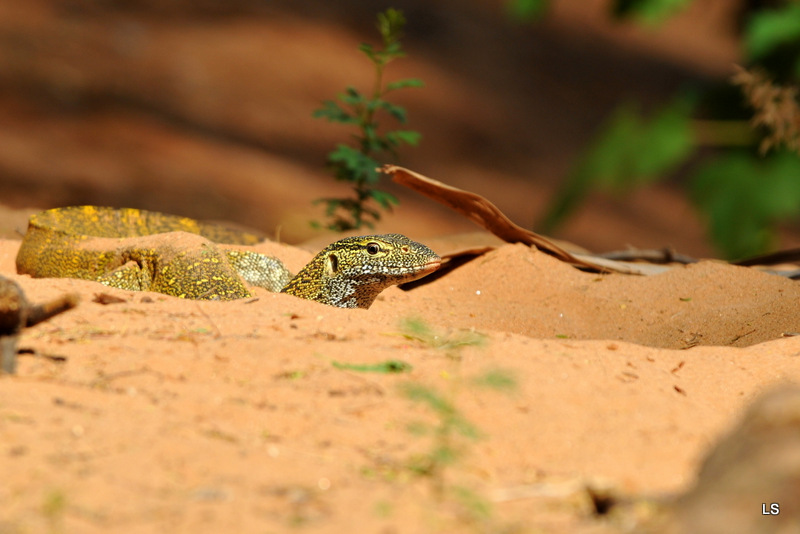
[(334, 113), (498, 380), (352, 165), (393, 51), (666, 141), (527, 10), (372, 213), (651, 12), (390, 25), (744, 197), (398, 112), (403, 84), (331, 205), (628, 152), (389, 366), (386, 200), (409, 137), (372, 176), (770, 28), (345, 155), (352, 96), (356, 165), (430, 397), (371, 142)]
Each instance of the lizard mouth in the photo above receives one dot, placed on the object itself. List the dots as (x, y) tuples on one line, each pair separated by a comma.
[(429, 267), (420, 270), (432, 265), (404, 275)]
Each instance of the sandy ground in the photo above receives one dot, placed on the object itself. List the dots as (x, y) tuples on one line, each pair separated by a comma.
[(157, 414), (161, 415)]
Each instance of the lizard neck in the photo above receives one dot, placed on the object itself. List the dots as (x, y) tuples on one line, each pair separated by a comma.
[(318, 281)]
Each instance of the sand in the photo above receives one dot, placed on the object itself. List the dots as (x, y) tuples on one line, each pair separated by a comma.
[(158, 414)]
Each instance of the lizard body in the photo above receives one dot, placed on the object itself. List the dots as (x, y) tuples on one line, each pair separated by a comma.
[(122, 248)]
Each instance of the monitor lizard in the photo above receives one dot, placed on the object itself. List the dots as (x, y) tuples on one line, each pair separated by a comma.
[(120, 247)]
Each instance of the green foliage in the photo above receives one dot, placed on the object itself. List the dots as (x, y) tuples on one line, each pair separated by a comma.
[(630, 151), (450, 435), (53, 508), (419, 330), (474, 507), (387, 367), (358, 165), (769, 30), (648, 11), (496, 379), (651, 12), (450, 426), (451, 431), (743, 197), (450, 420), (526, 10)]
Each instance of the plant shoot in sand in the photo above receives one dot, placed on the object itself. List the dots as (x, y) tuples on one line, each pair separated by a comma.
[(358, 165), (451, 431)]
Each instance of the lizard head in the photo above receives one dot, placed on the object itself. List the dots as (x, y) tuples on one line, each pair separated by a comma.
[(350, 273)]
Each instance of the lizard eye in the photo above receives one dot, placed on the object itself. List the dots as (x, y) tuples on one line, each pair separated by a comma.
[(373, 248)]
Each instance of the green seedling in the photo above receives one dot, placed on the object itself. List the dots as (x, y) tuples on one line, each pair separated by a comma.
[(416, 329), (451, 435), (387, 367), (357, 165)]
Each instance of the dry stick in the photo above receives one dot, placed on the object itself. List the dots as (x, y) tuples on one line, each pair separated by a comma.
[(17, 313), (478, 210), (485, 214)]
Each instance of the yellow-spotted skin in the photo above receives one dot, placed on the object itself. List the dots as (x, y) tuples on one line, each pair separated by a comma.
[(125, 248), (350, 273)]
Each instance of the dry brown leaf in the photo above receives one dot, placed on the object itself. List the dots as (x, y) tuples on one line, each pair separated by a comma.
[(486, 215)]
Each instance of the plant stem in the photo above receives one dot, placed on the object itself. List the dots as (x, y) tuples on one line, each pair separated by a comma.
[(361, 187)]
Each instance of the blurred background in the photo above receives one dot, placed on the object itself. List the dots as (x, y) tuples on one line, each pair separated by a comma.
[(606, 123)]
